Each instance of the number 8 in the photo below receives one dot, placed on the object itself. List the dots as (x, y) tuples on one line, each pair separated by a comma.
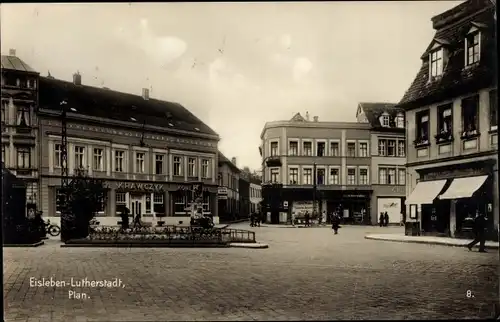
[(469, 294)]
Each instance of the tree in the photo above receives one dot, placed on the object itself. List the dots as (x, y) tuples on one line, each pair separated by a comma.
[(81, 200)]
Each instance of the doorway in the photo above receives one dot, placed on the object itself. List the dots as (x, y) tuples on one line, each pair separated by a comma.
[(136, 204)]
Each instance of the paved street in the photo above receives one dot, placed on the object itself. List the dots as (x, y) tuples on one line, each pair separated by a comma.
[(307, 273)]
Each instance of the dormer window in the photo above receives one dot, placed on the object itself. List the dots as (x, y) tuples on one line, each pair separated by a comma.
[(385, 120), (400, 121), (436, 62), (472, 47)]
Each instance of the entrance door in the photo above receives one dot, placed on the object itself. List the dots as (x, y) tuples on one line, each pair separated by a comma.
[(136, 204)]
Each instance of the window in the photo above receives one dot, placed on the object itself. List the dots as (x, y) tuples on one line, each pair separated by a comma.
[(23, 116), (391, 176), (98, 159), (320, 176), (57, 156), (470, 109), (307, 148), (23, 158), (401, 149), (382, 176), (391, 148), (293, 148), (307, 176), (120, 199), (363, 176), (445, 119), (400, 121), (422, 127), (220, 180), (119, 161), (4, 117), (385, 120), (293, 175), (334, 176), (205, 170), (148, 203), (206, 202), (4, 153), (382, 144), (401, 176), (59, 199), (177, 166), (334, 149), (158, 204), (351, 149), (79, 157), (351, 176), (493, 110), (139, 162), (320, 149), (472, 48), (436, 58), (180, 202), (363, 149), (191, 167), (274, 149), (275, 173), (159, 164)]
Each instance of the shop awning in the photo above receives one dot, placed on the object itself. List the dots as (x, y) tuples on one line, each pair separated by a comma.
[(463, 187), (425, 192)]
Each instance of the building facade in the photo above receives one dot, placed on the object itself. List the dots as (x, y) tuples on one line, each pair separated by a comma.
[(149, 152), (452, 114), (255, 194), (244, 193), (316, 165), (388, 159), (20, 146), (229, 191)]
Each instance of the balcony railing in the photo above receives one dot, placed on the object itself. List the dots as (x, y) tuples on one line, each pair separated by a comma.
[(273, 161)]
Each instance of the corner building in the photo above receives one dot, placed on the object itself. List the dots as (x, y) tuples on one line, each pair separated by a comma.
[(149, 152), (452, 133)]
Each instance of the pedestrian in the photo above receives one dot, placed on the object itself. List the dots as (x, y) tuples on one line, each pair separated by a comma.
[(479, 232), (381, 219), (252, 219), (323, 217), (335, 223), (137, 221), (386, 219), (307, 218), (258, 218), (293, 218), (320, 219), (403, 218)]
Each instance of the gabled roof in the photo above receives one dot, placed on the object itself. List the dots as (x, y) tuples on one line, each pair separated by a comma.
[(223, 160), (452, 28), (298, 118), (373, 111), (106, 103), (16, 64)]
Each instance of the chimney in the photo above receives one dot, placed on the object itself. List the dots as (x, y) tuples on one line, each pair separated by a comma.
[(315, 119), (233, 161), (77, 79), (145, 94), (307, 116), (12, 52)]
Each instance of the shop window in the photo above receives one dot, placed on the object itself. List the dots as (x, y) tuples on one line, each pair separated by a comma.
[(180, 202), (307, 148), (275, 173), (293, 148), (391, 148), (351, 149), (159, 164), (177, 166), (24, 158), (334, 176), (148, 204), (320, 176), (320, 149), (158, 203), (294, 175), (363, 176), (422, 128), (470, 110), (334, 149), (382, 148), (351, 176), (191, 167), (363, 149), (307, 176), (445, 123), (493, 110), (274, 149)]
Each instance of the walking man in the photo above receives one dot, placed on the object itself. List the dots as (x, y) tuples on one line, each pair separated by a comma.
[(335, 223), (479, 232), (293, 218)]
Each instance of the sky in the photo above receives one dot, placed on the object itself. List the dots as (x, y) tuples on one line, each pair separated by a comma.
[(235, 65)]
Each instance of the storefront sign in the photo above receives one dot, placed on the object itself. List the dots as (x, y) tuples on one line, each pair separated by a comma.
[(453, 173), (222, 193), (300, 207), (356, 196), (139, 186)]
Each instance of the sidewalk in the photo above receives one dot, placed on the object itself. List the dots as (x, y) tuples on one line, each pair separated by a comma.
[(445, 241)]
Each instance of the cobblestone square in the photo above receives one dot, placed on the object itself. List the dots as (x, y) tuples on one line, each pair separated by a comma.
[(307, 273)]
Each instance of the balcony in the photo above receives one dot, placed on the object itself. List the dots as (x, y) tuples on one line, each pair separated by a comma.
[(273, 161)]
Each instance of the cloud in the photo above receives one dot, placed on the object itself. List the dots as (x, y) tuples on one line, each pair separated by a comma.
[(286, 40), (301, 67)]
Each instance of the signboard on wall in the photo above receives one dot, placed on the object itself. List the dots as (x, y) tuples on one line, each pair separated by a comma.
[(300, 207), (222, 193), (393, 208)]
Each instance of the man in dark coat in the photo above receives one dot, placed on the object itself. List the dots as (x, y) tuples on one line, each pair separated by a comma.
[(381, 219), (252, 219), (307, 217), (479, 232), (386, 219), (335, 223)]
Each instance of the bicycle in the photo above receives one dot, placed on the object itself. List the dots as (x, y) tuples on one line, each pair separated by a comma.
[(52, 229)]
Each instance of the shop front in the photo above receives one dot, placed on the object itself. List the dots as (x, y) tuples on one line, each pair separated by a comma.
[(390, 199), (446, 196)]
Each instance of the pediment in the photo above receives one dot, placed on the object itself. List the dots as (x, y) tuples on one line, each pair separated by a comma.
[(297, 118)]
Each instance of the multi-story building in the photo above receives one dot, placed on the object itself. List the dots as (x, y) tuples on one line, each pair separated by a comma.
[(316, 165), (148, 151), (388, 158), (228, 182), (255, 194), (244, 193), (452, 119), (20, 146)]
